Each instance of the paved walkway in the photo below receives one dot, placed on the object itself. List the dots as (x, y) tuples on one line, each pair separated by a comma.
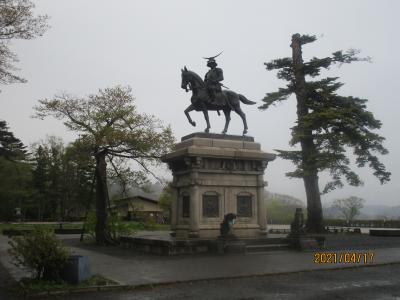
[(131, 268), (378, 282)]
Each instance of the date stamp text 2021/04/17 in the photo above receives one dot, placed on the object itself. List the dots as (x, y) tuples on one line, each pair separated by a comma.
[(343, 257)]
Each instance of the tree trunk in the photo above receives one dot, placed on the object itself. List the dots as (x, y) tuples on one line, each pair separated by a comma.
[(310, 172), (40, 208), (101, 199), (314, 222)]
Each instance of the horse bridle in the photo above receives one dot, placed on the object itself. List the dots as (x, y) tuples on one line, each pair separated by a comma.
[(190, 86)]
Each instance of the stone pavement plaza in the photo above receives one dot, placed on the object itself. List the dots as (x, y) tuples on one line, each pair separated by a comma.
[(130, 268)]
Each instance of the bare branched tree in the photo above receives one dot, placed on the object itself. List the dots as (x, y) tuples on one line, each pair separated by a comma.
[(17, 21), (349, 207)]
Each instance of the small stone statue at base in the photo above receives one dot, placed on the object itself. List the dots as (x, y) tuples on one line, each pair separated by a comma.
[(226, 229), (297, 227), (298, 237)]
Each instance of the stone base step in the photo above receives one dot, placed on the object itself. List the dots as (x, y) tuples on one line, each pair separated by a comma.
[(384, 232), (266, 247), (265, 241), (173, 246)]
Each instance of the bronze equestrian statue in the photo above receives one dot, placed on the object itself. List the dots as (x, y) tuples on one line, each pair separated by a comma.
[(213, 79), (208, 95)]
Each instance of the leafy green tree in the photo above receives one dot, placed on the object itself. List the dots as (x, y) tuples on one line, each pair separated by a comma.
[(165, 199), (349, 207), (327, 124), (15, 173), (17, 21), (110, 125)]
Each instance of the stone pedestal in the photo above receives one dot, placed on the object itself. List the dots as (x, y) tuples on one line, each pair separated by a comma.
[(214, 175)]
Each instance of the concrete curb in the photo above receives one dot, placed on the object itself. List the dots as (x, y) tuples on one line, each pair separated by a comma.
[(77, 290), (166, 283), (72, 290)]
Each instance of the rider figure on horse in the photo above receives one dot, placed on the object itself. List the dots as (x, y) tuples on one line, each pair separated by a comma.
[(212, 81)]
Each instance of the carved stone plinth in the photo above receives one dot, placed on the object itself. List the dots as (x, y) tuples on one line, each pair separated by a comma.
[(214, 175)]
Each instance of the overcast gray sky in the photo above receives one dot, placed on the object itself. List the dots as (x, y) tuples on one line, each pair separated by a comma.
[(98, 44)]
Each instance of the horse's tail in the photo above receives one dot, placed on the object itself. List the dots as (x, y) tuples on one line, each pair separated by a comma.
[(244, 100)]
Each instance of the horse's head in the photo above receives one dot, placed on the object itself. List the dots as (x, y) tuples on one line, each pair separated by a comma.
[(190, 77), (185, 79)]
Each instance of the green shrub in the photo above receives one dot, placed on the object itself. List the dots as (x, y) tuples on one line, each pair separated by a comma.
[(115, 226), (118, 227), (41, 253), (90, 224)]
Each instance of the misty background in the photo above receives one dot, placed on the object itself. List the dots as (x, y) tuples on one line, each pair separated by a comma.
[(96, 44)]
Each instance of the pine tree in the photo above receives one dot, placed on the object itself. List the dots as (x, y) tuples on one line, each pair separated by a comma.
[(41, 180), (10, 147), (56, 175), (78, 170), (15, 173), (62, 178), (327, 124), (15, 188)]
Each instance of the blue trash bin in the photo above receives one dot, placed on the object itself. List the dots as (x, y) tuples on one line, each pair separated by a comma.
[(77, 269)]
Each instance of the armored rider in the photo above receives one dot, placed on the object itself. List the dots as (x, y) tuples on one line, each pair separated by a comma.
[(212, 80)]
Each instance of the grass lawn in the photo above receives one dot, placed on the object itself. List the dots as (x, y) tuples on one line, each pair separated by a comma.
[(140, 226), (28, 226), (134, 226)]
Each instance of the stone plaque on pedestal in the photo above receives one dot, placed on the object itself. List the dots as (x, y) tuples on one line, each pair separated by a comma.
[(213, 175)]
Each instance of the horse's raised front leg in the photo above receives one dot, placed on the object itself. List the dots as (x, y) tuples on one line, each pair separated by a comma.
[(205, 112), (227, 113), (187, 110), (240, 112)]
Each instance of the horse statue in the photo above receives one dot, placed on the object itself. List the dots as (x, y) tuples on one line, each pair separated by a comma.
[(228, 100)]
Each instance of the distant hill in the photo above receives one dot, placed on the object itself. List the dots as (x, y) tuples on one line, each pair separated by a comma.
[(368, 212), (152, 191), (281, 208), (284, 199), (381, 211), (331, 212)]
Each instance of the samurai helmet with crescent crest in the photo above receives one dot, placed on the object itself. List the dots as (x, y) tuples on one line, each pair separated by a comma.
[(211, 60)]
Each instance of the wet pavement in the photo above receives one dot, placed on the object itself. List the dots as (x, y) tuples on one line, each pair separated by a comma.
[(130, 268), (377, 282), (233, 274)]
